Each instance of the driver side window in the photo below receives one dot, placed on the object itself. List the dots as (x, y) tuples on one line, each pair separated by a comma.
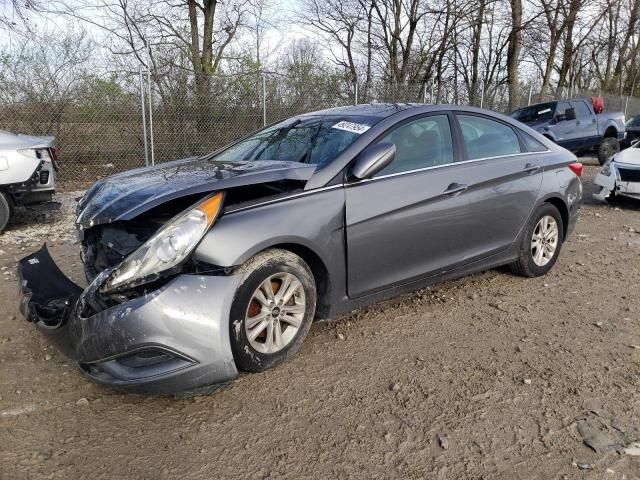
[(561, 110), (422, 143)]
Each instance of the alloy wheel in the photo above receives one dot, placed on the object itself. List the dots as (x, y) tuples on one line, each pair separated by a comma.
[(275, 313), (544, 241)]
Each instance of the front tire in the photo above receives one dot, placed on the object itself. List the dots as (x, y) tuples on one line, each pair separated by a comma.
[(541, 242), (272, 310), (608, 148)]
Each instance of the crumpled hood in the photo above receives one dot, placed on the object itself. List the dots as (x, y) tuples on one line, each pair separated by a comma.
[(629, 156), (126, 195), (14, 141)]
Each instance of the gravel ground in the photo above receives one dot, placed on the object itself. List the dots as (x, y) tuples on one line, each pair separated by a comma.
[(489, 376)]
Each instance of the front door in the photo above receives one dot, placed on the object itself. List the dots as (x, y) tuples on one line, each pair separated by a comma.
[(404, 222), (565, 131)]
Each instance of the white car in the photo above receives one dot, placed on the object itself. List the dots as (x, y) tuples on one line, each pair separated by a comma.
[(620, 175), (27, 172)]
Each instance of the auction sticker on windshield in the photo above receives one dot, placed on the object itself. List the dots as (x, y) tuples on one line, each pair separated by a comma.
[(358, 128), (546, 110)]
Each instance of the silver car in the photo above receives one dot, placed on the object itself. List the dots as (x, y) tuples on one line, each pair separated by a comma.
[(206, 266), (620, 175), (27, 172)]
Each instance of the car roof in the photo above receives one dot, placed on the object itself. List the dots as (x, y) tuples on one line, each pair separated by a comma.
[(377, 110)]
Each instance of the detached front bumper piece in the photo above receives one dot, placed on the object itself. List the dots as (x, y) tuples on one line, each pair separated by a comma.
[(174, 339)]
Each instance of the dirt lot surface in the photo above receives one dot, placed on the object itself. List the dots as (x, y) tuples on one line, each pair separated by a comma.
[(489, 376)]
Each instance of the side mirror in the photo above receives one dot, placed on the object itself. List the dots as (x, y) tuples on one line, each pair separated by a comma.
[(373, 159), (570, 114)]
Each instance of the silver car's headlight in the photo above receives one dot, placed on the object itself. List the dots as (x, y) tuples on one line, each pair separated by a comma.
[(167, 248), (36, 153)]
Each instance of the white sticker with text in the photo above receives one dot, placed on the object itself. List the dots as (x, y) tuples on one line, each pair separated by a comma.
[(351, 127)]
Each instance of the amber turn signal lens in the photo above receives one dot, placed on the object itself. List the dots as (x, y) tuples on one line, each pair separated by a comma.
[(211, 207)]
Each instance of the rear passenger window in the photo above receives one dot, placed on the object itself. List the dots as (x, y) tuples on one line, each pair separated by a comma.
[(422, 143), (484, 138), (532, 144)]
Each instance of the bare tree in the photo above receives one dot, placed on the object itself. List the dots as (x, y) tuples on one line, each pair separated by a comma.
[(513, 54), (156, 32), (340, 22)]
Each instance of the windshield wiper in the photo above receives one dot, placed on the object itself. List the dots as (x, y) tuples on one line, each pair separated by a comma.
[(271, 140), (304, 158)]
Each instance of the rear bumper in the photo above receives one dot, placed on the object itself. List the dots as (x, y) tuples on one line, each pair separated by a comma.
[(174, 339)]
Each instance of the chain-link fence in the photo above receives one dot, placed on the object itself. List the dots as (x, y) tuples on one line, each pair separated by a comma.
[(105, 133)]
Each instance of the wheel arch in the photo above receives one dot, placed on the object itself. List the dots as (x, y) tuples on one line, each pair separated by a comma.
[(320, 274), (611, 132), (318, 268), (562, 207)]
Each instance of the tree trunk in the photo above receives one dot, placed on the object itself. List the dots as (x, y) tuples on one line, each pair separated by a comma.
[(513, 54), (567, 52), (475, 54)]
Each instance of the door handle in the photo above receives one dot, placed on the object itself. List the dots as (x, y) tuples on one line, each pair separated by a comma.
[(455, 188), (531, 168), (577, 123)]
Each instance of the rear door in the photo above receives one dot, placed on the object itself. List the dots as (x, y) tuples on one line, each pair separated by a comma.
[(503, 174)]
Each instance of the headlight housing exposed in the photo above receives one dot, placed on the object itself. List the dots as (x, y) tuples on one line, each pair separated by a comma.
[(606, 168), (36, 153), (167, 248)]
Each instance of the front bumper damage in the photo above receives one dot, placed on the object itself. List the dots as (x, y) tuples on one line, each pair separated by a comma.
[(174, 339), (617, 178)]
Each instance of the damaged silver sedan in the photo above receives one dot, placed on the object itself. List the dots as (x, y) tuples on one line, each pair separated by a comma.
[(620, 175), (206, 266)]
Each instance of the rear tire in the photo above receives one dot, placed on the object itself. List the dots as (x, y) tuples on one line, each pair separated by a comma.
[(6, 210), (540, 244), (272, 310), (609, 147)]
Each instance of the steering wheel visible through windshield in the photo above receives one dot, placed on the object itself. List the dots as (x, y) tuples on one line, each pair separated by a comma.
[(316, 140)]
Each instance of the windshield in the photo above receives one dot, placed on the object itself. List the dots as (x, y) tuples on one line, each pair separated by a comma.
[(542, 112), (316, 140)]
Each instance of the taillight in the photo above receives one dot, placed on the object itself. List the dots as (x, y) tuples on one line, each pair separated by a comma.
[(53, 152), (576, 168)]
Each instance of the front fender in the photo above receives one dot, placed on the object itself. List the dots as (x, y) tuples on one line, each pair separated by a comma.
[(313, 220)]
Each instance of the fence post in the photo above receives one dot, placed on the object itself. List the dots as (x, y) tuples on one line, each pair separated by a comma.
[(633, 87), (144, 118), (482, 93), (433, 82), (153, 158), (530, 92), (355, 91), (424, 93), (264, 100)]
